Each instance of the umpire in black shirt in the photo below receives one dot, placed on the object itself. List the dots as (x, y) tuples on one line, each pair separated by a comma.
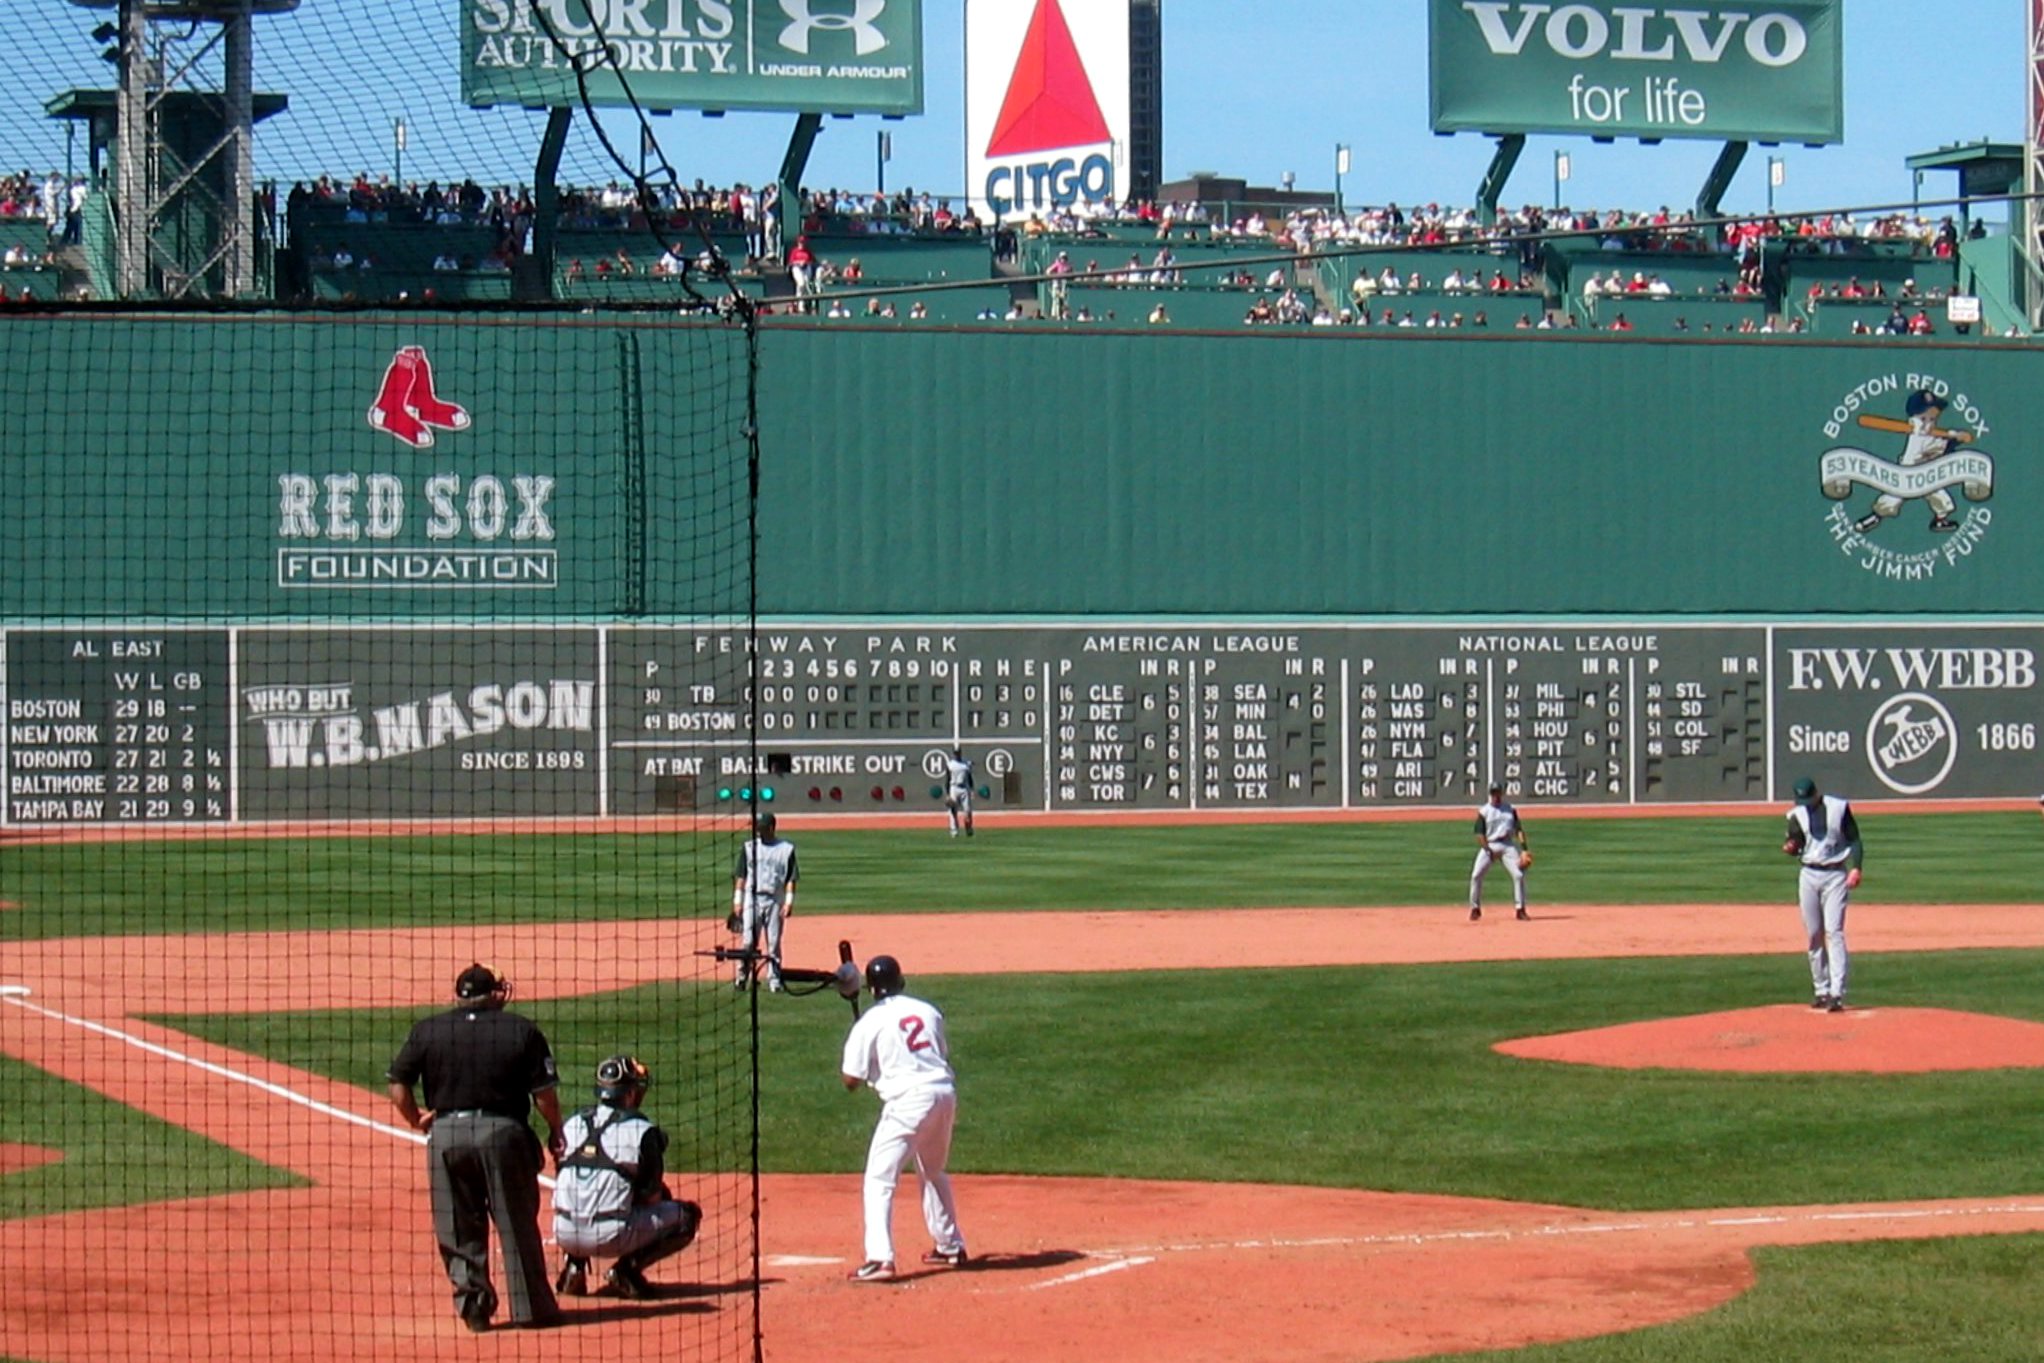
[(483, 1069)]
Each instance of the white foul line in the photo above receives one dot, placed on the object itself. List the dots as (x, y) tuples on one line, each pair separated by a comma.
[(1095, 1272)]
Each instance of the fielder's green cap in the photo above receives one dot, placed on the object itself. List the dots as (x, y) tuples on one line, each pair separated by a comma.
[(1806, 789)]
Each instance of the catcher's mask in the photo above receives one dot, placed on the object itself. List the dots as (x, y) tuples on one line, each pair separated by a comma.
[(619, 1075), (883, 976)]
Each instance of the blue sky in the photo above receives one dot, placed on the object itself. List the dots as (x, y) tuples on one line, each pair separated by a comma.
[(1251, 89)]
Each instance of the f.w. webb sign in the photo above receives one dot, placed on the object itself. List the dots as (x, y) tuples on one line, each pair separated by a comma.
[(1771, 71)]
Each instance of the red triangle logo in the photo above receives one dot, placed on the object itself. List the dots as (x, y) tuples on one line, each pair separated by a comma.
[(1050, 101)]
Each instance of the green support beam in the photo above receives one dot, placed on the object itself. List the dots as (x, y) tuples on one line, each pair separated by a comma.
[(1510, 147), (807, 126), (1720, 179)]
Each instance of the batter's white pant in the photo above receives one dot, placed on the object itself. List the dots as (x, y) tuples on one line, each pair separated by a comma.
[(915, 1125), (1506, 852), (1823, 899), (763, 919)]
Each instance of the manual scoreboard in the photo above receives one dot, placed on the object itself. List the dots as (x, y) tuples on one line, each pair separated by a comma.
[(116, 724)]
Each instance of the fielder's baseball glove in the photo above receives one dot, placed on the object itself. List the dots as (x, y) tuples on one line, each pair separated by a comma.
[(733, 923)]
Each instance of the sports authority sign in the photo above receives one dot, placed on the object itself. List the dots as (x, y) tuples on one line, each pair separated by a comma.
[(802, 56), (1767, 72), (1046, 104)]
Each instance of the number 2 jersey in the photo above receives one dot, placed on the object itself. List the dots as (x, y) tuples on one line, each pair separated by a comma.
[(898, 1046)]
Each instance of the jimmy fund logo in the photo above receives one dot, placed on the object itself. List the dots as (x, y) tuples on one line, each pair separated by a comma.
[(1924, 435)]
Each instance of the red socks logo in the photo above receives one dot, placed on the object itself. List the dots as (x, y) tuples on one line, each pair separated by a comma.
[(407, 407)]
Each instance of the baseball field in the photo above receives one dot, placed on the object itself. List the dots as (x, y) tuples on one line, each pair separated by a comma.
[(1228, 1091)]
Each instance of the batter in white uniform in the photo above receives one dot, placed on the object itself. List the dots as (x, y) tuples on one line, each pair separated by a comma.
[(1824, 836), (762, 898), (958, 792), (899, 1048), (1499, 837)]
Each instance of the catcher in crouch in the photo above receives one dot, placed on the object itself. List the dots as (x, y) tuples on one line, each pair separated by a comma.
[(610, 1198), (1499, 837)]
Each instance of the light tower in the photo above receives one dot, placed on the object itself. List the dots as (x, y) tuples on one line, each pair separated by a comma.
[(2030, 222), (184, 154)]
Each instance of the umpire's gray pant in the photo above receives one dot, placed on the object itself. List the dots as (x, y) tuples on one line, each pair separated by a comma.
[(481, 1168), (1823, 898)]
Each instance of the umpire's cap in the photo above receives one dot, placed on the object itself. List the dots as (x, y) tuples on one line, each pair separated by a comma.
[(883, 976), (621, 1074), (477, 982)]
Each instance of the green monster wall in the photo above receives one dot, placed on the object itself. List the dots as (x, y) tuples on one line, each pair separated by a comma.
[(978, 473), (1062, 474)]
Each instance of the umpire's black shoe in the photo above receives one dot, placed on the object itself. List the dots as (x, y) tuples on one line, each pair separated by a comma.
[(476, 1310), (574, 1279)]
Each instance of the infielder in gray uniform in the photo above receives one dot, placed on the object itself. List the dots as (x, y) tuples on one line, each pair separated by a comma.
[(762, 898), (1824, 836), (1499, 837), (958, 792)]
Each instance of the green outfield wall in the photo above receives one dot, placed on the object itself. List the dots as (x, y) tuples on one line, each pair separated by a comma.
[(997, 473), (978, 473)]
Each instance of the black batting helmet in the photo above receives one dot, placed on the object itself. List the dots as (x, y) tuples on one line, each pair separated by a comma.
[(619, 1075), (883, 976)]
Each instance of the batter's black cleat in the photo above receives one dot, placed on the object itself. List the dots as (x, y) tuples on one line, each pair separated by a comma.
[(1523, 916), (574, 1279), (1943, 525), (1475, 914), (629, 1283), (946, 1258)]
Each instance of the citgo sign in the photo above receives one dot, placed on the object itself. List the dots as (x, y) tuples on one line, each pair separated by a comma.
[(1046, 104)]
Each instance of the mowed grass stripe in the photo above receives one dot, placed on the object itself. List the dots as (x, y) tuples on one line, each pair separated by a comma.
[(322, 884), (1378, 1078)]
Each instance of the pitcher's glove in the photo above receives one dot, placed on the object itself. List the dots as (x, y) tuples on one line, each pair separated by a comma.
[(733, 923), (1526, 860)]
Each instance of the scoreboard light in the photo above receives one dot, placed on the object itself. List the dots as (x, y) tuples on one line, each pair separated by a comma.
[(723, 792), (900, 794), (816, 792), (936, 792), (766, 794), (879, 794), (837, 792), (986, 792), (745, 794)]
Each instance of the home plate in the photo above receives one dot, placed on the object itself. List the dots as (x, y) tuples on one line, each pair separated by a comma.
[(797, 1261)]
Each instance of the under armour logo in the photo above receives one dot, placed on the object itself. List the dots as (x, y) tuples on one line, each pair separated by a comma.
[(869, 39)]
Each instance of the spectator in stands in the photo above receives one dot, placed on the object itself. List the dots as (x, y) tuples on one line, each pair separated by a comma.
[(1084, 314), (1500, 284), (575, 271), (838, 308), (621, 263), (1387, 280), (673, 262), (445, 263), (1481, 321), (1158, 316), (1920, 324), (917, 312), (343, 258), (1525, 322), (1619, 323), (17, 257), (802, 266)]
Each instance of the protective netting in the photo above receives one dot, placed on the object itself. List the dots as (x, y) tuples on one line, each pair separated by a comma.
[(339, 653)]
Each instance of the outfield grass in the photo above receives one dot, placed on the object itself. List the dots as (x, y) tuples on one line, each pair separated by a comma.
[(291, 884), (1352, 1078)]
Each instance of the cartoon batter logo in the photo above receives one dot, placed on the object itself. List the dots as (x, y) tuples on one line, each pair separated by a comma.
[(1938, 430)]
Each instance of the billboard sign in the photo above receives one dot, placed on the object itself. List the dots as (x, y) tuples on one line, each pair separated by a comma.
[(1046, 105), (797, 56), (1767, 72)]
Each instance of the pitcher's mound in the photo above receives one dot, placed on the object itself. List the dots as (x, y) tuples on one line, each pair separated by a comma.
[(15, 1158), (1789, 1039)]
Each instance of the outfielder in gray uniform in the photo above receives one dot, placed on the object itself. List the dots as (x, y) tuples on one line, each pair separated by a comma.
[(958, 792), (1824, 836), (1499, 837), (762, 898)]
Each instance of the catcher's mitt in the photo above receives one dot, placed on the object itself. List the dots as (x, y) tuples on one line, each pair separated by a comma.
[(1525, 861), (733, 923)]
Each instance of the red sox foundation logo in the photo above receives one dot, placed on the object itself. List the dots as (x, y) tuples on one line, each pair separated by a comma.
[(406, 405)]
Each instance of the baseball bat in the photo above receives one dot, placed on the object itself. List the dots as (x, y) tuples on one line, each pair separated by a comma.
[(1889, 423)]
